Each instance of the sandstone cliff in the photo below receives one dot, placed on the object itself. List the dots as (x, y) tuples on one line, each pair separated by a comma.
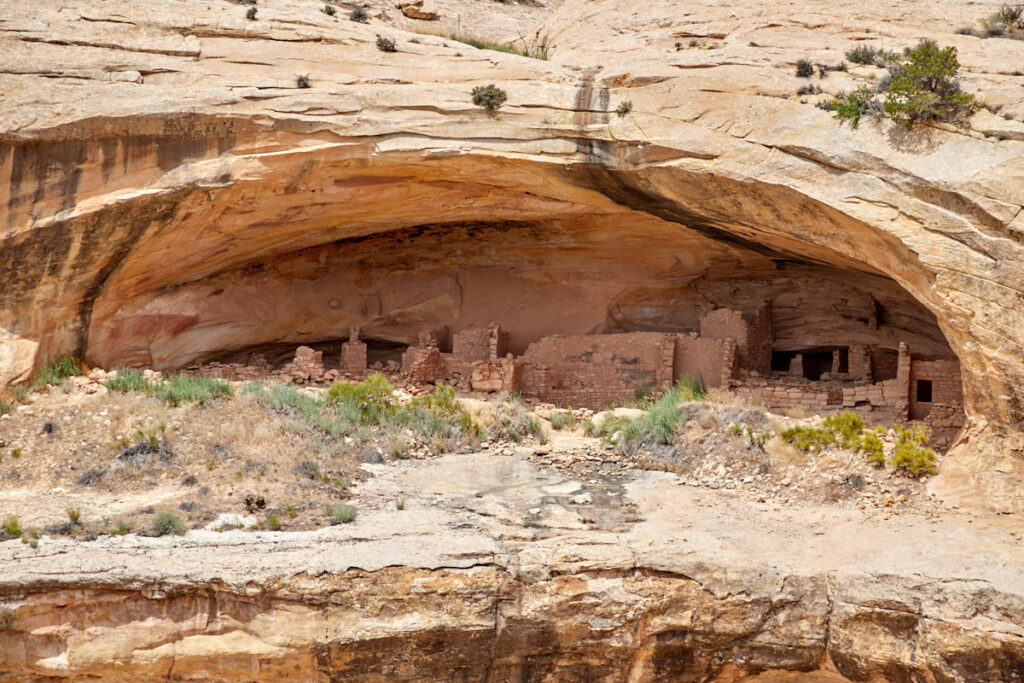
[(172, 193)]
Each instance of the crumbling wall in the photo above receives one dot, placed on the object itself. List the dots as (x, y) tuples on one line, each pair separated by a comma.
[(596, 371)]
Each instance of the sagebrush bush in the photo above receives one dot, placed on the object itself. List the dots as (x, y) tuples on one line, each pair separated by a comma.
[(624, 108), (343, 513), (359, 14), (804, 68), (657, 427), (386, 44), (563, 419), (329, 10), (174, 389), (1010, 16), (251, 14), (167, 523), (864, 54), (490, 97), (302, 81)]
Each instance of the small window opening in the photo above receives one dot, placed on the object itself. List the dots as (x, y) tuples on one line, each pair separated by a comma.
[(924, 391)]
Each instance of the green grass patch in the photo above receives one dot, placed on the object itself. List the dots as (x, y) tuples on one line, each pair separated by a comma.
[(12, 526), (343, 513), (174, 390), (563, 419), (168, 524), (537, 50), (659, 425), (58, 371)]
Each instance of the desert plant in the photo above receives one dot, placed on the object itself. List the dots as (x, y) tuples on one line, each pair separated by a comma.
[(123, 527), (359, 15), (864, 54), (343, 513), (329, 10), (624, 108), (923, 87), (16, 452), (181, 388), (563, 419), (490, 97), (58, 371), (691, 389), (809, 89), (911, 454), (128, 379), (804, 68), (657, 427), (273, 523), (5, 407), (74, 515), (291, 511), (965, 31), (386, 44), (1009, 16), (852, 106), (167, 523), (400, 502), (302, 81), (251, 14), (12, 526), (995, 30)]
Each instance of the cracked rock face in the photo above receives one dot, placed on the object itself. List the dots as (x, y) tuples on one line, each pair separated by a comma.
[(495, 572)]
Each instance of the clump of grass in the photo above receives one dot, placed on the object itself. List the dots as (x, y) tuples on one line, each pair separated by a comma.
[(400, 502), (329, 10), (511, 421), (12, 526), (174, 389), (273, 523), (804, 68), (386, 44), (624, 108), (343, 513), (691, 389), (291, 511), (490, 97), (563, 419), (1008, 16), (302, 81), (911, 454), (58, 371), (123, 527), (538, 49), (167, 523), (74, 515), (250, 14), (5, 407)]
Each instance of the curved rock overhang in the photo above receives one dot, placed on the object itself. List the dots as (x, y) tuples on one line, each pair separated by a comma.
[(159, 237)]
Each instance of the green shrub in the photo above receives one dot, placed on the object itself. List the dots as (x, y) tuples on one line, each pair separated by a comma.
[(273, 523), (58, 371), (911, 454), (804, 68), (12, 526), (74, 515), (994, 30), (657, 427), (490, 97), (539, 49), (167, 523), (291, 511), (5, 407), (624, 108), (400, 502), (808, 90), (343, 513), (965, 31), (923, 87), (123, 527), (871, 446), (852, 106)]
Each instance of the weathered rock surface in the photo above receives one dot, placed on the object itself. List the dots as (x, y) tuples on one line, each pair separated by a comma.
[(171, 193), (492, 572)]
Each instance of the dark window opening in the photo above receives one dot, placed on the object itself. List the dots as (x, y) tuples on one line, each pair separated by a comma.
[(924, 391), (781, 360), (884, 364), (817, 363), (844, 360)]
